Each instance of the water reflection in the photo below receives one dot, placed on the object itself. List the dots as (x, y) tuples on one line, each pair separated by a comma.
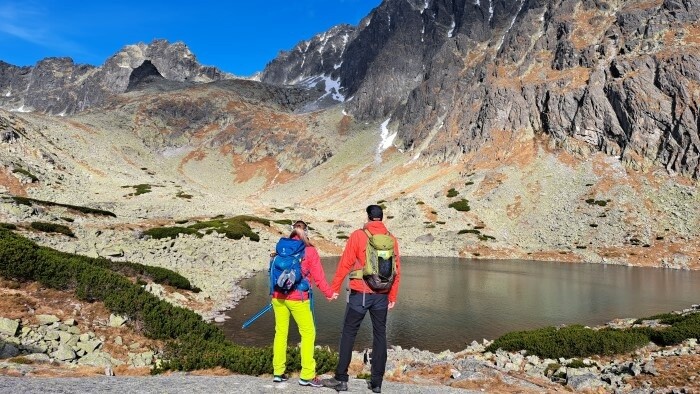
[(445, 303)]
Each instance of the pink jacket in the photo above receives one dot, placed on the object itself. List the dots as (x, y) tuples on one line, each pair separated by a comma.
[(312, 270)]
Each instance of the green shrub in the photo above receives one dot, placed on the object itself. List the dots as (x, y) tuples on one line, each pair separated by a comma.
[(461, 205), (8, 226), (576, 363), (284, 221), (140, 189), (593, 201), (467, 231), (469, 183), (452, 193), (342, 236), (20, 170), (236, 227), (484, 237), (194, 353), (420, 203), (52, 228), (191, 342), (170, 232), (661, 316), (570, 341), (67, 219), (381, 202), (278, 210), (30, 201)]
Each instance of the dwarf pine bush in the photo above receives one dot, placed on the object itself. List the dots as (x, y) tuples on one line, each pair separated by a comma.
[(191, 342)]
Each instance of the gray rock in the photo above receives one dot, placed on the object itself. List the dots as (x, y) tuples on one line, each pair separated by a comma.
[(89, 346), (117, 321), (8, 326), (587, 381), (8, 350), (64, 353), (96, 359), (425, 239), (650, 368)]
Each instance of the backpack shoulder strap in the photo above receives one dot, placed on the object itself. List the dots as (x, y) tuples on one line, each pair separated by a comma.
[(369, 234)]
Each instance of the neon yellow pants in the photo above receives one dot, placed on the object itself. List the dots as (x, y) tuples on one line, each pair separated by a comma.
[(301, 312)]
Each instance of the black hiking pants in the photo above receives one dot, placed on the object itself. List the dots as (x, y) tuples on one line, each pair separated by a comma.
[(377, 305)]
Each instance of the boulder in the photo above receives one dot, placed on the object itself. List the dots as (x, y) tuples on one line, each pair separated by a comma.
[(64, 353), (96, 359), (89, 346), (8, 350), (45, 320), (8, 326), (587, 381), (117, 321)]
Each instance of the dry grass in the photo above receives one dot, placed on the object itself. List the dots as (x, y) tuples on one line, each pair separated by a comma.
[(12, 184), (674, 371), (692, 35), (515, 209)]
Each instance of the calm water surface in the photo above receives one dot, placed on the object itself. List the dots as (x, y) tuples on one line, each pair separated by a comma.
[(445, 303)]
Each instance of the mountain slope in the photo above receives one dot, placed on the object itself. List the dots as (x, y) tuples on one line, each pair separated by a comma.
[(620, 77)]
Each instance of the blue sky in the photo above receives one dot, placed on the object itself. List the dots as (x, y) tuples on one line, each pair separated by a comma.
[(236, 36)]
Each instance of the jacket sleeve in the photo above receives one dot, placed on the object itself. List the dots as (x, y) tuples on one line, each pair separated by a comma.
[(347, 259), (314, 270), (394, 292)]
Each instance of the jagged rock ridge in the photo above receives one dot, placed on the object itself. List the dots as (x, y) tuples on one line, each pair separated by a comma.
[(616, 76), (59, 86)]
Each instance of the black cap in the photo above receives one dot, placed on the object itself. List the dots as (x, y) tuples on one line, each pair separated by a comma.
[(374, 212)]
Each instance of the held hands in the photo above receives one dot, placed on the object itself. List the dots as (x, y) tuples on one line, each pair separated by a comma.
[(391, 304), (333, 297)]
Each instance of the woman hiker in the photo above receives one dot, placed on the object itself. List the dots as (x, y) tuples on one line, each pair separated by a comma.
[(297, 303)]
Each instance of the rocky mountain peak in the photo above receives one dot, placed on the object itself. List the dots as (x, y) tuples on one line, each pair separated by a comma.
[(59, 86), (320, 56), (593, 75)]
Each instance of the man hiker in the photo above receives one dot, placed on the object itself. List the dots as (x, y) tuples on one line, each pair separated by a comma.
[(366, 294)]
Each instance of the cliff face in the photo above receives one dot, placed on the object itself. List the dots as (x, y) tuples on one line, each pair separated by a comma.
[(59, 86), (616, 76)]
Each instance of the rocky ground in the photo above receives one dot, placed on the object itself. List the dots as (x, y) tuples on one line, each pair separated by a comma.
[(526, 201), (48, 333)]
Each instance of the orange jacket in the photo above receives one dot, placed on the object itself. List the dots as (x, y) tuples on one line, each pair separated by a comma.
[(354, 258)]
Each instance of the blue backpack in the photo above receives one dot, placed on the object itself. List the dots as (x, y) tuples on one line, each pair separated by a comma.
[(285, 267)]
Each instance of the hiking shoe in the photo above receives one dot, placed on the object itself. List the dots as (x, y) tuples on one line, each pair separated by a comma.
[(315, 382), (375, 389), (337, 385), (280, 378)]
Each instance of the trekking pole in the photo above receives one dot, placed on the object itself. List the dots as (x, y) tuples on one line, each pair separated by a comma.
[(311, 299), (257, 315)]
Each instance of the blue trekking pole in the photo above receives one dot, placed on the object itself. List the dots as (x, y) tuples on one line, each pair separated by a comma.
[(257, 315)]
